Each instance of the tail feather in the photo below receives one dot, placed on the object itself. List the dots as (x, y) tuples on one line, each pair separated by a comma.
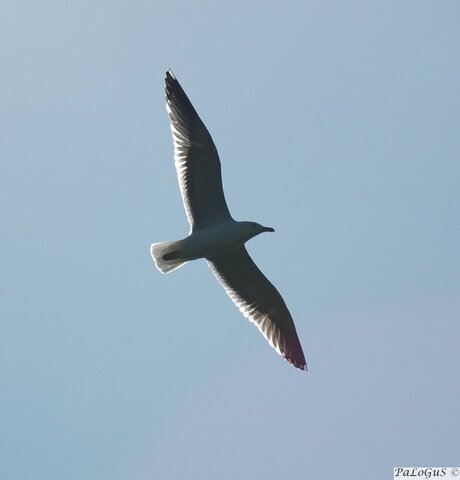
[(166, 256)]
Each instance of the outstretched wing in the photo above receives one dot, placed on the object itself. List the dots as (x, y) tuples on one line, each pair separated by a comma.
[(196, 159), (259, 301)]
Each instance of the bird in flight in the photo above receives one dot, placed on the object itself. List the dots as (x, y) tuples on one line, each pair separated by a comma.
[(215, 236)]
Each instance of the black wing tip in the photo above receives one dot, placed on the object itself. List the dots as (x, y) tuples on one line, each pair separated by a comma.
[(291, 350), (294, 355), (173, 89), (301, 365), (170, 75), (170, 79)]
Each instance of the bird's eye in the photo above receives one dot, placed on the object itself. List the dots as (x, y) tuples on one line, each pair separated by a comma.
[(254, 224)]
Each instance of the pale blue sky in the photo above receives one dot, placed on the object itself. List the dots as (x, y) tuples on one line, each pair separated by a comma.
[(337, 123)]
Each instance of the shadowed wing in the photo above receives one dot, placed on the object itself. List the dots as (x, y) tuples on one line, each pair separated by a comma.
[(196, 159), (259, 301)]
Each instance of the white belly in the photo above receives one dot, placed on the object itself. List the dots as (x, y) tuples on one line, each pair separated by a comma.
[(212, 241)]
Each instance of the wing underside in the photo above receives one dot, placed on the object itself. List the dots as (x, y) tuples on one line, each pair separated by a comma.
[(259, 301), (196, 159)]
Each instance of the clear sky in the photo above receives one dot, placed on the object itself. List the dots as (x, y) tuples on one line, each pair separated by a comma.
[(337, 123)]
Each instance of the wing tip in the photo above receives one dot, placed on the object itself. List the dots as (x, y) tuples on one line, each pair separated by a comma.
[(170, 79), (293, 354), (300, 366)]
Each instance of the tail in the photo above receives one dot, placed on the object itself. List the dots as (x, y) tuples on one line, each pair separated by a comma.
[(166, 256)]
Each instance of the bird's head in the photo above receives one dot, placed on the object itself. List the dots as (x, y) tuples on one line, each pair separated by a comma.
[(251, 229)]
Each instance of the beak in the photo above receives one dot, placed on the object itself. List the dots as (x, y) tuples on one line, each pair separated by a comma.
[(269, 229)]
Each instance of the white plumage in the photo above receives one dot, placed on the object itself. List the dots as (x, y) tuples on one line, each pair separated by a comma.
[(215, 236)]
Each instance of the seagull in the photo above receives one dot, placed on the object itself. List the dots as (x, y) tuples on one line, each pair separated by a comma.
[(215, 235)]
